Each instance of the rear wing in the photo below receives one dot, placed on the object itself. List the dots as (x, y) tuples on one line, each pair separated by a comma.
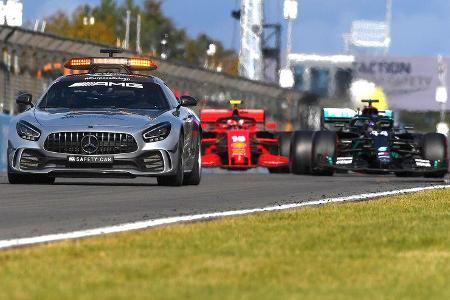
[(333, 115), (330, 115), (335, 118), (209, 117)]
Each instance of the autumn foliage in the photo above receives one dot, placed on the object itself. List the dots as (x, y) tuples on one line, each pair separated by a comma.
[(109, 28)]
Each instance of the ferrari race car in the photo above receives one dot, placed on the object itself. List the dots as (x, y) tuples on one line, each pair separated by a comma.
[(238, 139), (366, 141)]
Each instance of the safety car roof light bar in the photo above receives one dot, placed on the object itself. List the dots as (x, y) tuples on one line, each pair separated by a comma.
[(92, 63), (95, 63)]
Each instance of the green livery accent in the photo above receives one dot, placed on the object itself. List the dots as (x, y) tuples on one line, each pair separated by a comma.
[(436, 164), (395, 155), (387, 113), (330, 160), (348, 113), (338, 113)]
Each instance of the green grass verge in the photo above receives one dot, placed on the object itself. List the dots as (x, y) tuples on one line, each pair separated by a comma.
[(393, 248)]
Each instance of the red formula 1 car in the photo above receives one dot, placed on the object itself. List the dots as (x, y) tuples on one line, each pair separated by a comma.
[(237, 139)]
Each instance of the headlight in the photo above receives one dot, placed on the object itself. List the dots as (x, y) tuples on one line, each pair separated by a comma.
[(157, 133), (27, 131)]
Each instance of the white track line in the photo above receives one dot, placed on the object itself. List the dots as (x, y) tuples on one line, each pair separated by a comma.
[(171, 220)]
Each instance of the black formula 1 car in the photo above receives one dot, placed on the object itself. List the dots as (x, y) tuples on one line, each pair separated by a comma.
[(366, 141)]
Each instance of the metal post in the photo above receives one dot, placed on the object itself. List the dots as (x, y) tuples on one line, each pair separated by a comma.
[(44, 24), (290, 14), (138, 35), (289, 43), (250, 54), (127, 30), (388, 24), (36, 25), (442, 74)]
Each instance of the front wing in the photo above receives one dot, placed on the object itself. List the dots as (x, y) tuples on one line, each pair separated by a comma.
[(238, 152), (415, 166)]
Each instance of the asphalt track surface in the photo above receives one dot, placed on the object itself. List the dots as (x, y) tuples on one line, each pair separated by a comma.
[(78, 204)]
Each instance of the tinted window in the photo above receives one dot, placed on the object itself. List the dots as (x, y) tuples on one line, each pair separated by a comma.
[(104, 95)]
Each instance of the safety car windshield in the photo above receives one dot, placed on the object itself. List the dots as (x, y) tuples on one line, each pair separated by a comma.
[(85, 95)]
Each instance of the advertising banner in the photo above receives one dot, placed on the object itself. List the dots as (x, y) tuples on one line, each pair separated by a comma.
[(409, 82)]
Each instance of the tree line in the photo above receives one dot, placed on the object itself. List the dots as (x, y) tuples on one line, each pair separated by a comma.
[(106, 23)]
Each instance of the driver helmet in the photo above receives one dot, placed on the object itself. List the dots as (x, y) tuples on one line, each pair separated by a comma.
[(371, 125)]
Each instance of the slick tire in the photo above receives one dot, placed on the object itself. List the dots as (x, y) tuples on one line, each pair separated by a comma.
[(178, 178), (284, 144), (195, 176), (324, 144), (434, 147), (301, 151)]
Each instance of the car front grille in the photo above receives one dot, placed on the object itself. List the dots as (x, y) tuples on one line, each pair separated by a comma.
[(105, 143)]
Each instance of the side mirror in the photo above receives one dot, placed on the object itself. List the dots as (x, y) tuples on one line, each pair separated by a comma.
[(25, 99), (188, 101)]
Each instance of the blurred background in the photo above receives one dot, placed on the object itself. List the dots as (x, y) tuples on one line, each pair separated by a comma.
[(291, 57)]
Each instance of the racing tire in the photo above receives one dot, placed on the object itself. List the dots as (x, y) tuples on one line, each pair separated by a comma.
[(284, 144), (418, 140), (300, 152), (434, 147), (178, 178), (324, 144), (195, 176)]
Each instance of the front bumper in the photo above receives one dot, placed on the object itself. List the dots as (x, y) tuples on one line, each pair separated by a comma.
[(150, 163), (150, 159), (156, 162)]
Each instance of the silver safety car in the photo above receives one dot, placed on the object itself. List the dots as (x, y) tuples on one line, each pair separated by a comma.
[(108, 122)]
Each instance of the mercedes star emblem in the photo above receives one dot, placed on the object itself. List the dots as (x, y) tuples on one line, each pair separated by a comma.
[(89, 144)]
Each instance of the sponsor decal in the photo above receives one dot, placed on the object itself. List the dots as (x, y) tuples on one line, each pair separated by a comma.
[(238, 145), (383, 67), (384, 154), (376, 133), (108, 84), (423, 163), (91, 159), (344, 160), (238, 138), (103, 77)]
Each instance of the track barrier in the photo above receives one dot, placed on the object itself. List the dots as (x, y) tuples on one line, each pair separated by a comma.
[(4, 124)]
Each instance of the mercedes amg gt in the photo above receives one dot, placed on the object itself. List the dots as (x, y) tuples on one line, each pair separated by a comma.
[(107, 122)]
